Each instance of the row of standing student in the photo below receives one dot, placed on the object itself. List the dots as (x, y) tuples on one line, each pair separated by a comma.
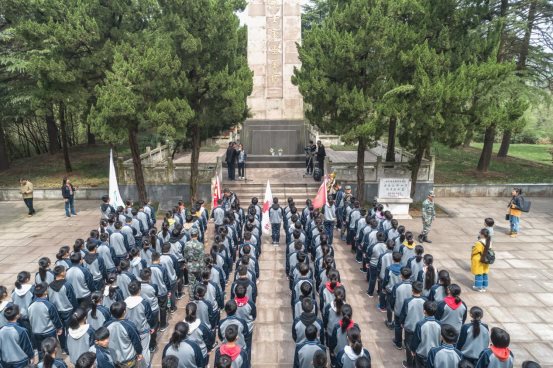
[(422, 305), (56, 304)]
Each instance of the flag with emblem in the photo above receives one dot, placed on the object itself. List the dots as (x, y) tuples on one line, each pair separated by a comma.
[(267, 201)]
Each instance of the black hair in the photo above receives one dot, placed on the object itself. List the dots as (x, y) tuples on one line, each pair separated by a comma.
[(166, 247), (354, 337), (530, 364), (22, 278), (465, 364), (486, 234), (476, 314), (180, 333), (63, 251), (117, 309), (240, 291), (430, 308), (43, 266), (76, 258), (406, 273), (449, 334), (191, 310), (334, 277), (11, 312), (101, 334), (396, 257), (363, 362), (155, 256), (455, 291), (134, 287), (78, 316), (339, 298), (380, 236), (48, 347), (307, 304), (146, 274), (90, 246), (416, 286), (96, 298), (124, 265), (500, 338), (231, 333), (134, 252), (3, 292), (311, 332), (170, 361), (231, 307), (430, 273), (224, 361), (489, 222), (444, 279), (409, 237), (306, 288), (419, 251), (347, 313), (40, 289), (319, 359), (86, 360)]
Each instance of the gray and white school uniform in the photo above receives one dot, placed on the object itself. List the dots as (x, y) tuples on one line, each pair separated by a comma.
[(444, 356), (347, 357), (247, 311), (415, 267), (437, 293), (303, 356), (412, 312), (23, 298), (79, 341), (401, 292), (188, 354), (160, 278), (81, 280), (339, 338), (124, 341), (200, 333), (44, 317), (241, 325), (61, 294), (471, 346), (48, 279), (117, 241), (300, 324), (123, 281), (451, 313), (102, 316), (15, 345), (105, 252), (139, 312), (427, 336), (3, 320)]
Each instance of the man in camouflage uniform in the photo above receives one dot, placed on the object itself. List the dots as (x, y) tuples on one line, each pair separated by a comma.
[(428, 214), (194, 257)]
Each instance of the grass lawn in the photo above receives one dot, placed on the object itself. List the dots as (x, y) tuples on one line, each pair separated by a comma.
[(458, 165), (534, 152), (90, 168)]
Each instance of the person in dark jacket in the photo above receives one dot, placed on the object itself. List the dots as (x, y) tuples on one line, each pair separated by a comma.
[(321, 154), (16, 350), (68, 194), (106, 208), (230, 159)]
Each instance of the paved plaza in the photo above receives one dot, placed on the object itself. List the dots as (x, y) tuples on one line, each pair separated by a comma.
[(520, 298)]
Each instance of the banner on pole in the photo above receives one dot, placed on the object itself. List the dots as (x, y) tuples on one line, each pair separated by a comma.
[(267, 202), (114, 196)]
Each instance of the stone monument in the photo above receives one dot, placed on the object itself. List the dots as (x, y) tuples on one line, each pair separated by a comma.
[(274, 29), (395, 195)]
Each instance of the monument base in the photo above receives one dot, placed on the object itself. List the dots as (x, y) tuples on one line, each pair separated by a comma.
[(399, 207), (259, 136)]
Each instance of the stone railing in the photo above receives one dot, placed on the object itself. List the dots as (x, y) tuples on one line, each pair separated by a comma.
[(347, 172), (159, 168)]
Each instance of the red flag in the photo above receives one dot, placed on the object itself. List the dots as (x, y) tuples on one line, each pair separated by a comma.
[(216, 192), (320, 200)]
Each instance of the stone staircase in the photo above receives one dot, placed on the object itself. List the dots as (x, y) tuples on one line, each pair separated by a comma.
[(299, 191), (269, 161)]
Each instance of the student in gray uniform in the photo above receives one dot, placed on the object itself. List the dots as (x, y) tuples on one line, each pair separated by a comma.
[(186, 350), (243, 339), (139, 312), (353, 351), (218, 215), (81, 279), (445, 356), (171, 361), (112, 292), (238, 356), (101, 349), (400, 292), (427, 335), (306, 318), (3, 304), (411, 313), (107, 254), (43, 316), (160, 281), (391, 278), (125, 277), (124, 341), (452, 310), (137, 264), (275, 217), (498, 355), (49, 350), (199, 331), (362, 362), (338, 337), (61, 294), (95, 264), (98, 315), (22, 296), (16, 350), (384, 261), (149, 293), (305, 352), (44, 273), (80, 336), (171, 265), (416, 263), (118, 243), (86, 360), (474, 337), (428, 275), (329, 210), (439, 291), (245, 308), (372, 255)]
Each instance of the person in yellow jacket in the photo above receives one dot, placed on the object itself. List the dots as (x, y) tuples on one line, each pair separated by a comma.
[(478, 268), (514, 211), (26, 190)]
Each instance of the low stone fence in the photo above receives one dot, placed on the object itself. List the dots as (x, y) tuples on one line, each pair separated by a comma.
[(492, 190)]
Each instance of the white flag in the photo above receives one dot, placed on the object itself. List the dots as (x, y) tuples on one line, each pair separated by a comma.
[(114, 196), (267, 202)]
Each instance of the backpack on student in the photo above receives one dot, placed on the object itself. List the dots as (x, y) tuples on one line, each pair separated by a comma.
[(525, 204), (489, 257)]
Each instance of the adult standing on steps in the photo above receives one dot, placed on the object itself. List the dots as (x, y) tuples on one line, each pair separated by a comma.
[(230, 159), (321, 154), (26, 189), (428, 215), (242, 157)]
